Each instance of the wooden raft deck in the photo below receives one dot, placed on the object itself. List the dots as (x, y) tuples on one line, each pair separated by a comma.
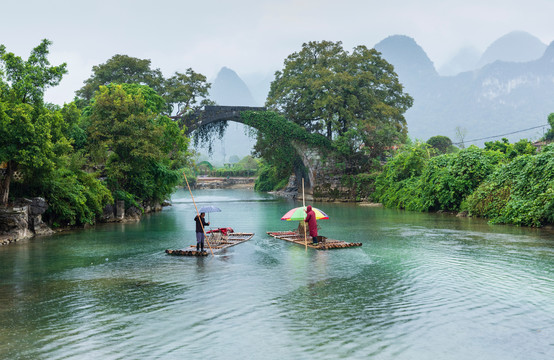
[(324, 243), (218, 243)]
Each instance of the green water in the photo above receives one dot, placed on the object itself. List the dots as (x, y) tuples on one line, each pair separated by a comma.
[(422, 286)]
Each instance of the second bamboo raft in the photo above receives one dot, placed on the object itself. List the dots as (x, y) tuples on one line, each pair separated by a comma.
[(324, 243)]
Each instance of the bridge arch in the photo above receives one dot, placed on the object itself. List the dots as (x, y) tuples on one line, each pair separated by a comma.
[(215, 113), (212, 114)]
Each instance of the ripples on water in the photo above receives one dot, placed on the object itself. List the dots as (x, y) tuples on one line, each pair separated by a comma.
[(422, 286)]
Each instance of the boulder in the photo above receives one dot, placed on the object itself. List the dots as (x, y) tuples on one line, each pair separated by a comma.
[(108, 213), (38, 206), (133, 213), (14, 224)]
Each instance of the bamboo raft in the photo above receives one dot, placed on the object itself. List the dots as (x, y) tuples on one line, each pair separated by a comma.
[(324, 243), (218, 243)]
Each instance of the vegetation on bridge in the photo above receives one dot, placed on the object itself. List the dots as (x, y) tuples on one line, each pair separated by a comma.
[(275, 145), (353, 100)]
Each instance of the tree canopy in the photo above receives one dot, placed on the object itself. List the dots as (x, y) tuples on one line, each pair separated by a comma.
[(28, 129), (121, 69), (354, 99), (180, 92), (441, 143), (142, 150)]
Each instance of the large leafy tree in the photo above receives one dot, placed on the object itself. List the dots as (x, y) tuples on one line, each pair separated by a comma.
[(185, 91), (142, 150), (121, 69), (181, 92), (30, 132), (354, 98)]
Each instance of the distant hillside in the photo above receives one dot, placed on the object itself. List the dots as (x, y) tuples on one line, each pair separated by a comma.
[(517, 46), (465, 60), (501, 97), (409, 59)]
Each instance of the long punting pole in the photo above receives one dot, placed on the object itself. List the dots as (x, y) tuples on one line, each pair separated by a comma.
[(304, 225), (198, 214)]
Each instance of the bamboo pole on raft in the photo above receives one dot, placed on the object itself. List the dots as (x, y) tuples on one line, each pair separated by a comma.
[(198, 214), (303, 206)]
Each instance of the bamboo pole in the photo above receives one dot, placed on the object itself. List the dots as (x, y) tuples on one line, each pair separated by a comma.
[(303, 206), (198, 214)]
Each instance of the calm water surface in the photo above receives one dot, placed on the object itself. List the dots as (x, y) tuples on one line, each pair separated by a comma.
[(422, 286)]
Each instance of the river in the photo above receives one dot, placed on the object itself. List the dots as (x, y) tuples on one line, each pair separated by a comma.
[(422, 286)]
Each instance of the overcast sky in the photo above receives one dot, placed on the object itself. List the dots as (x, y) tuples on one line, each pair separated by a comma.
[(250, 36)]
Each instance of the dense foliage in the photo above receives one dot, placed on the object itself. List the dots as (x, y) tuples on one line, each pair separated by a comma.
[(521, 147), (113, 143), (414, 180), (442, 144), (143, 150), (354, 99), (520, 192), (36, 140), (506, 183), (276, 141), (181, 92), (121, 69)]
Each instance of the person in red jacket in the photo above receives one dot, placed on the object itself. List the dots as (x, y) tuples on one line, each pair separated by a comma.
[(312, 224)]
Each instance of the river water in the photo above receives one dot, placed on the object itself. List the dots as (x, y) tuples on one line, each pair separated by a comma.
[(422, 286)]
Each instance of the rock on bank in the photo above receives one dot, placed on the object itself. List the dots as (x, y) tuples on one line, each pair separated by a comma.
[(23, 220)]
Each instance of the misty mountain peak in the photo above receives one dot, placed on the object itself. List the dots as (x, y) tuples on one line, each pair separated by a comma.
[(407, 57), (516, 46), (229, 89)]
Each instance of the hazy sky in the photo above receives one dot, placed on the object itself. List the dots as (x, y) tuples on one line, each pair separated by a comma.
[(250, 36)]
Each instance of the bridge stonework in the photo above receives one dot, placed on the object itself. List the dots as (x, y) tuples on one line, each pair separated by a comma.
[(216, 113), (321, 180)]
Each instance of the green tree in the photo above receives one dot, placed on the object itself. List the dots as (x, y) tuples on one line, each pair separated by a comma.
[(121, 69), (549, 136), (249, 163), (29, 131), (521, 147), (397, 186), (442, 143), (181, 92), (184, 92), (353, 98), (520, 192), (143, 150)]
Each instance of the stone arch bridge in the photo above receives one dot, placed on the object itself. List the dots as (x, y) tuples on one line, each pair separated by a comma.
[(311, 157)]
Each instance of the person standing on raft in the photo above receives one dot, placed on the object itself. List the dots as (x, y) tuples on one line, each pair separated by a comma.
[(312, 224), (200, 224)]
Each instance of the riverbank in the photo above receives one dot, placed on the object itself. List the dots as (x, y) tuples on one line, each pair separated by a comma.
[(207, 182), (23, 219)]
